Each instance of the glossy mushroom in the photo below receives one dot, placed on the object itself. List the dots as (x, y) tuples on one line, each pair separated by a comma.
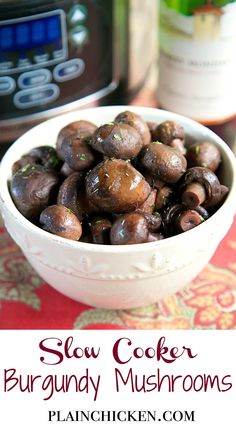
[(129, 229), (31, 188), (170, 133), (116, 186), (203, 154), (59, 220), (77, 153), (118, 140), (100, 230), (165, 162), (134, 120), (200, 186), (46, 155), (81, 128), (68, 194)]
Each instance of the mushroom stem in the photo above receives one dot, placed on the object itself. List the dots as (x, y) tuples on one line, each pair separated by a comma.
[(187, 220), (194, 195)]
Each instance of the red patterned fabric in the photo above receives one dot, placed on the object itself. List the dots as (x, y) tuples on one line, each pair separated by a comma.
[(26, 302)]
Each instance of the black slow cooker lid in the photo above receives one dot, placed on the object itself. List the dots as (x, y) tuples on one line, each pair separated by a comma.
[(15, 8)]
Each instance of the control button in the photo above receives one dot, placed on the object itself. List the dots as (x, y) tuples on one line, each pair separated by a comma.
[(77, 14), (34, 78), (68, 70), (38, 96), (79, 36), (7, 85)]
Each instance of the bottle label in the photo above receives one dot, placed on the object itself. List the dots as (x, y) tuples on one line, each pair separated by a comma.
[(197, 75)]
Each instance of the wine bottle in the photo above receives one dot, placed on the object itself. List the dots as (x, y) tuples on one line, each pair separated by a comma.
[(197, 59)]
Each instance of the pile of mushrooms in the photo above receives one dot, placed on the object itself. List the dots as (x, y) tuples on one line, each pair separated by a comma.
[(121, 183)]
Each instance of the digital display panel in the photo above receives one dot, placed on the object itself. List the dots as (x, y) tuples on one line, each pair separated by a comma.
[(30, 34)]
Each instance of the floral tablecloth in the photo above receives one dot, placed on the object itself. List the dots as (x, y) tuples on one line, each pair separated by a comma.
[(27, 302)]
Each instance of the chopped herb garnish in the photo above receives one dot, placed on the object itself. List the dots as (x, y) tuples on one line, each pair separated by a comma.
[(25, 168), (82, 156), (118, 137), (156, 142), (128, 161)]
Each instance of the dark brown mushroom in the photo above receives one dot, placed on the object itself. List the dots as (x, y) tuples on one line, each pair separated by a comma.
[(77, 153), (100, 230), (59, 220), (116, 186), (23, 161), (31, 188), (46, 155), (81, 128), (169, 216), (206, 189), (187, 220), (134, 120), (163, 197), (167, 163), (129, 229), (68, 194), (170, 133), (152, 127), (117, 140), (66, 170), (203, 154), (149, 205), (154, 221)]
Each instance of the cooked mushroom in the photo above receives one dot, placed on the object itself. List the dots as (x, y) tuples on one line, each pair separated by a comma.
[(149, 205), (116, 186), (136, 121), (68, 194), (81, 128), (46, 155), (77, 153), (118, 140), (187, 220), (170, 133), (66, 170), (168, 218), (23, 161), (164, 161), (100, 230), (163, 197), (200, 186), (129, 229), (152, 127), (154, 221), (31, 188), (59, 220), (203, 154)]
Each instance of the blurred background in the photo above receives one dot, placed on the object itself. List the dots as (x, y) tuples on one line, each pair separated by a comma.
[(59, 56)]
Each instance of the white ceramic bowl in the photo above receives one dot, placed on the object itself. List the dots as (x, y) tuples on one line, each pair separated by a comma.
[(116, 277)]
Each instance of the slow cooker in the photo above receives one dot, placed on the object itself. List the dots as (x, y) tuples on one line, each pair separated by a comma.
[(60, 55)]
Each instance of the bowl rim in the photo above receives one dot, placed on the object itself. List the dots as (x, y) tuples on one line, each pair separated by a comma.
[(6, 202)]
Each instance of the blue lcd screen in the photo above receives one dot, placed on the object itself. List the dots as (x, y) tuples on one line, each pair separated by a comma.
[(30, 34)]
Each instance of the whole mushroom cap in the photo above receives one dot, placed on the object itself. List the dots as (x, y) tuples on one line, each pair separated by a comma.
[(134, 120), (117, 140), (31, 189), (167, 163), (116, 186), (129, 229)]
